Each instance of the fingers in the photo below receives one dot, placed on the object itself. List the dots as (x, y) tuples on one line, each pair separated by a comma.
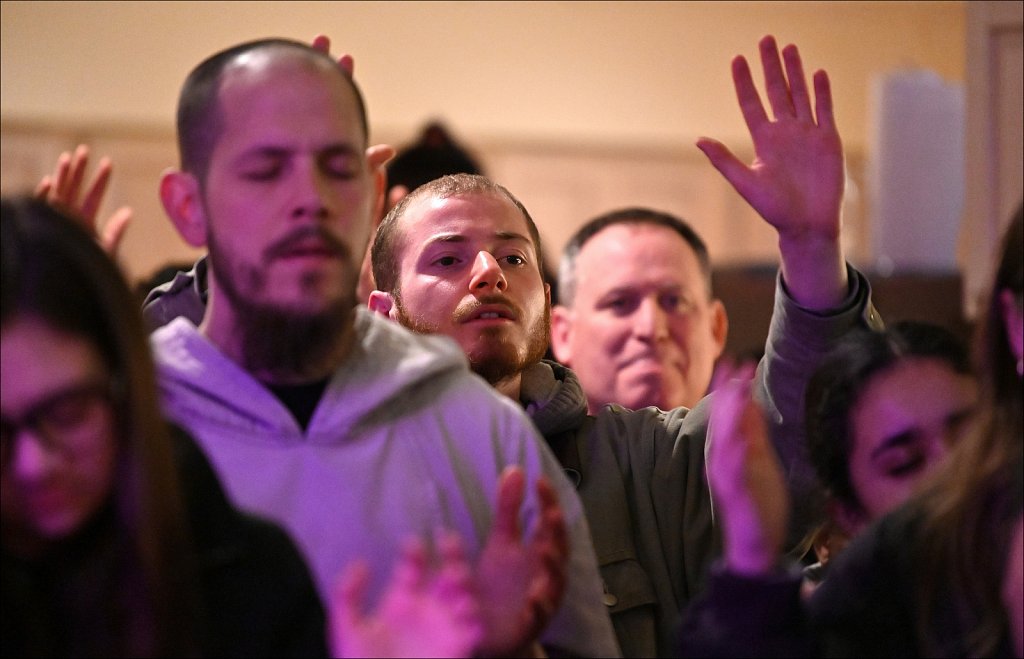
[(730, 166), (823, 101), (114, 230), (747, 96), (42, 191), (797, 83), (412, 567), (348, 599), (348, 65), (511, 490), (94, 195), (59, 178), (774, 80), (322, 43), (76, 173)]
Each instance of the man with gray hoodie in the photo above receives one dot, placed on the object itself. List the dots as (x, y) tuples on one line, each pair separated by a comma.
[(347, 430)]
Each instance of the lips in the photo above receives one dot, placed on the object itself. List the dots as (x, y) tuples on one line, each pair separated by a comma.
[(308, 248), (486, 312)]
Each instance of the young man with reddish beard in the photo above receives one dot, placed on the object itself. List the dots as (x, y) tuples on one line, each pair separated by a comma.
[(460, 256)]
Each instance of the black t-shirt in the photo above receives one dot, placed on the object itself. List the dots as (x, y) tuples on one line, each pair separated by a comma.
[(300, 399)]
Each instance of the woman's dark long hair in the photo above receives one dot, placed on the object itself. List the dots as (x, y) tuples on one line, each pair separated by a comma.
[(53, 270), (970, 509)]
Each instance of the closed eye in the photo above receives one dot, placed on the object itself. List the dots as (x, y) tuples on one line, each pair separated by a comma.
[(267, 173)]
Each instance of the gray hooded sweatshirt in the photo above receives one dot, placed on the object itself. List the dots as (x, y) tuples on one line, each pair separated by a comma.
[(405, 440)]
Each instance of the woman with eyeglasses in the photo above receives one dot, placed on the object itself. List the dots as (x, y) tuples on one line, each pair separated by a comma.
[(116, 536)]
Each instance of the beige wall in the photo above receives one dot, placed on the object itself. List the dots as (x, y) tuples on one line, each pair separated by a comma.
[(576, 106), (608, 72)]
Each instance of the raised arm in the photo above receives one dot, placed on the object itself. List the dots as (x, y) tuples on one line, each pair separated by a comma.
[(796, 179)]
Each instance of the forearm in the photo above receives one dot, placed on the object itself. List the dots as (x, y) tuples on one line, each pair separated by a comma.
[(814, 270)]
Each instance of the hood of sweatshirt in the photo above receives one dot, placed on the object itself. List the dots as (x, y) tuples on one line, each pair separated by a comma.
[(553, 398), (386, 361)]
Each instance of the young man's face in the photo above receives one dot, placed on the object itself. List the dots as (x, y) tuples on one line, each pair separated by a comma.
[(288, 192), (468, 269), (641, 330)]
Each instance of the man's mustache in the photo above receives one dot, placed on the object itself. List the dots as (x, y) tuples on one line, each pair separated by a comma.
[(294, 240)]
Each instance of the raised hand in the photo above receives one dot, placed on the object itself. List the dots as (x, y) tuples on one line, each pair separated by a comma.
[(748, 490), (521, 585), (797, 178), (424, 612), (63, 190)]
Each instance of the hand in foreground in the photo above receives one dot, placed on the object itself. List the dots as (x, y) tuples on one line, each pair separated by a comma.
[(424, 612), (520, 585), (748, 489), (63, 190), (797, 177)]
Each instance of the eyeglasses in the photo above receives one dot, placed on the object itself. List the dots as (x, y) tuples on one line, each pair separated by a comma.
[(61, 422)]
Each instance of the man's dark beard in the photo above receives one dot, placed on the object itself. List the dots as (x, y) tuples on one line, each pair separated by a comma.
[(502, 360), (279, 341), (289, 343)]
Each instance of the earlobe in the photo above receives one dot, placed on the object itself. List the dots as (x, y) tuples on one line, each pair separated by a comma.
[(179, 193), (382, 303), (561, 334)]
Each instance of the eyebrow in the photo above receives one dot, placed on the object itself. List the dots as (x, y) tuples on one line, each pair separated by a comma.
[(274, 151), (504, 236)]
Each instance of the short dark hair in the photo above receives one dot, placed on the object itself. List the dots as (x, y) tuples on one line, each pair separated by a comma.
[(199, 118), (632, 215), (836, 387), (384, 253)]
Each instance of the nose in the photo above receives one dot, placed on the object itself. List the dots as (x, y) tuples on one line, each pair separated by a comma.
[(487, 274), (30, 460), (312, 192), (650, 321)]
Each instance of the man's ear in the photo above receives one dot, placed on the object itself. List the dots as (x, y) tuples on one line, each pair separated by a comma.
[(719, 326), (382, 303), (377, 156), (180, 194), (561, 333)]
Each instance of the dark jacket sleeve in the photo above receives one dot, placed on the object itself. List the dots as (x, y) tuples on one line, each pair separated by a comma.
[(747, 617)]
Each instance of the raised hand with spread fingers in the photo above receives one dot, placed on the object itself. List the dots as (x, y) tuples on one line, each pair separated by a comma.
[(797, 178), (63, 189)]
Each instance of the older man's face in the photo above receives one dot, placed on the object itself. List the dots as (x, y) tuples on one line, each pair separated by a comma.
[(641, 329)]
